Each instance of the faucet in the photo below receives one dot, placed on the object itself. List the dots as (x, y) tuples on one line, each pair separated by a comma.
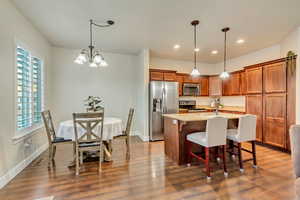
[(217, 104)]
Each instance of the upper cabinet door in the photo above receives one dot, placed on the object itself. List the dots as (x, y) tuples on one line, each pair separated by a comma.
[(156, 76), (179, 79), (235, 83), (226, 87), (275, 78), (169, 76), (204, 83), (215, 86), (243, 86), (254, 80)]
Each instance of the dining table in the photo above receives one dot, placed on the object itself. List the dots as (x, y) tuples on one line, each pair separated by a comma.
[(112, 127)]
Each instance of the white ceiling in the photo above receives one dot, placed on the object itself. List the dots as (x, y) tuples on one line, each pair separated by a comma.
[(159, 24)]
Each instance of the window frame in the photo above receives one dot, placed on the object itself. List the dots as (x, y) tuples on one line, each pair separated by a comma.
[(25, 132)]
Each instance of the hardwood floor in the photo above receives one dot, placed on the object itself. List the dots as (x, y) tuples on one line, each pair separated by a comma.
[(150, 175)]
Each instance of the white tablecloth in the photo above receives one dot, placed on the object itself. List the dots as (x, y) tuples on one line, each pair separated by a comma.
[(112, 127)]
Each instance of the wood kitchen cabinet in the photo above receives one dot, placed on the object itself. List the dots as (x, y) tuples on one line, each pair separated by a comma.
[(226, 87), (254, 106), (179, 79), (162, 75), (235, 83), (243, 82), (215, 86), (274, 78), (191, 79), (275, 119), (204, 83), (254, 80)]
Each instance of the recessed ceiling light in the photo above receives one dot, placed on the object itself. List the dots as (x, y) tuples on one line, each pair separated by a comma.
[(240, 41), (197, 49), (176, 46), (214, 52)]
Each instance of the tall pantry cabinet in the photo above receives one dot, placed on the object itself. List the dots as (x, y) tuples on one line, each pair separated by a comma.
[(267, 98)]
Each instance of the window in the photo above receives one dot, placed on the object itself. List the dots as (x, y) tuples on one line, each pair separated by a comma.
[(29, 89)]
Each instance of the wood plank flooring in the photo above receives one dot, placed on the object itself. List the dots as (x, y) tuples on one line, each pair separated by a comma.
[(150, 175)]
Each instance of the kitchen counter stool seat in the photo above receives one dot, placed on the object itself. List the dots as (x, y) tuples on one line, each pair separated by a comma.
[(246, 132), (214, 136)]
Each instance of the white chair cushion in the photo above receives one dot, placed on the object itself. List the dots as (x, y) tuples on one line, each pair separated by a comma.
[(198, 138), (232, 134)]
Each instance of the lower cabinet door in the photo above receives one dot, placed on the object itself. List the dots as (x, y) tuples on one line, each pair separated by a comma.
[(275, 120), (254, 106)]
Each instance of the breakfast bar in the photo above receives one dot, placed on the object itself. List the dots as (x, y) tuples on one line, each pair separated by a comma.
[(177, 126)]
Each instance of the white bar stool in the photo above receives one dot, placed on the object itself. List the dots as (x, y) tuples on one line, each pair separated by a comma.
[(215, 135)]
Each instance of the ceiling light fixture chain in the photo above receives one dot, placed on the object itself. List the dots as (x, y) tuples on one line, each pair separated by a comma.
[(93, 56), (195, 71)]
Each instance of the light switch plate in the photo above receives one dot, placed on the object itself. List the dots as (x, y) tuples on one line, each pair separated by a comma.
[(174, 121)]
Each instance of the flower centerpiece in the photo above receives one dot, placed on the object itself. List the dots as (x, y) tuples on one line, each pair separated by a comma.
[(93, 104)]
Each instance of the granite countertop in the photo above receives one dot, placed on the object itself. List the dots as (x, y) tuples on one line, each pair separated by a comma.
[(187, 117), (224, 108)]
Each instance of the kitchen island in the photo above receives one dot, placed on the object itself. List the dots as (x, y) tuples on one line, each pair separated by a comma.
[(177, 126)]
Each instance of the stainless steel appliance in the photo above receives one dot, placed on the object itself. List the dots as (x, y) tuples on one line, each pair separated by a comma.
[(190, 89), (191, 106), (163, 100)]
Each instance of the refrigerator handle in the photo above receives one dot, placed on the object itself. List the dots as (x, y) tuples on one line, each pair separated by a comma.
[(164, 108)]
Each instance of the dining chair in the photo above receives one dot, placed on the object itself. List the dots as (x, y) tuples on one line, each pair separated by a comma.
[(52, 139), (295, 150), (214, 136), (246, 132), (91, 138), (126, 133)]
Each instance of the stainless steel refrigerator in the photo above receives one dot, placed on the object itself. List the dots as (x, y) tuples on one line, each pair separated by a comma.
[(163, 100)]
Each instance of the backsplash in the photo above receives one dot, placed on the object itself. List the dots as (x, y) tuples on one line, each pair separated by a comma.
[(225, 100)]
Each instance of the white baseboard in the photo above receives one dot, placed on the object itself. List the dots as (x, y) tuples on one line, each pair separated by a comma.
[(6, 178), (140, 135)]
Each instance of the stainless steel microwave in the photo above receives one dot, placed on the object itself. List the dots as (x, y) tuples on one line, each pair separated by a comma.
[(190, 89)]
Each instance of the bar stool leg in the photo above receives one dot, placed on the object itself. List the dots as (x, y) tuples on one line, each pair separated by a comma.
[(207, 162), (224, 160), (254, 154), (188, 151), (240, 157)]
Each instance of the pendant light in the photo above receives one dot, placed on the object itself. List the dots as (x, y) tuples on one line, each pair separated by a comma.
[(93, 56), (195, 71), (225, 74)]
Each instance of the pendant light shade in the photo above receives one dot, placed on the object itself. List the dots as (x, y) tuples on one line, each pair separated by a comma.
[(195, 71), (92, 56), (225, 74)]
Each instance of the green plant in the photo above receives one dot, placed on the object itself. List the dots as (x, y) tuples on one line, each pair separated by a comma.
[(93, 104)]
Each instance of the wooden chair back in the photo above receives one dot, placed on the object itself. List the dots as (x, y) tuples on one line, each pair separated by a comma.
[(90, 123), (47, 118), (129, 121)]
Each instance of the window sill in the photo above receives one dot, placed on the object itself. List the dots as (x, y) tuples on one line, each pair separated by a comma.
[(22, 135)]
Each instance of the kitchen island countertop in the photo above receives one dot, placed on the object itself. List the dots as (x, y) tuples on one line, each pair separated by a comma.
[(189, 117)]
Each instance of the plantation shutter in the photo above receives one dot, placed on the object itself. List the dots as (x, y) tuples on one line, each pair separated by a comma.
[(24, 110), (29, 89)]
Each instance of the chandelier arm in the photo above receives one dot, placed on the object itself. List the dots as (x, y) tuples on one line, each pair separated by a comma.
[(109, 23)]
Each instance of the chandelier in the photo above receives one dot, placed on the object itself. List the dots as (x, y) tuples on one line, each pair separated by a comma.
[(195, 71), (91, 55), (225, 74)]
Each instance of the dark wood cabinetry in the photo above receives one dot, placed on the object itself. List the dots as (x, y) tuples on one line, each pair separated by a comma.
[(204, 81), (274, 78), (254, 80), (243, 86), (254, 106), (180, 79), (275, 119), (231, 86), (215, 86), (162, 75)]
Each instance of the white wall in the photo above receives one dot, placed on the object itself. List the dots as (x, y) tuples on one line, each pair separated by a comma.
[(182, 66), (14, 27), (142, 92), (73, 83)]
